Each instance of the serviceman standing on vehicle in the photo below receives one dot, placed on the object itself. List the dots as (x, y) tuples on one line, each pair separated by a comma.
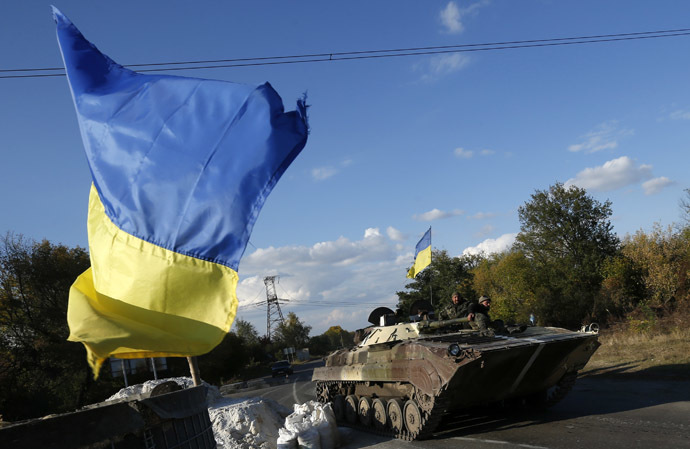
[(457, 308)]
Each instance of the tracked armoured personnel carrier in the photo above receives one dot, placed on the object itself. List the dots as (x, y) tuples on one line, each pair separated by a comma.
[(401, 378)]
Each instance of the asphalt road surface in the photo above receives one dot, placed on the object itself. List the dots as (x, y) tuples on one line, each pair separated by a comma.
[(599, 413)]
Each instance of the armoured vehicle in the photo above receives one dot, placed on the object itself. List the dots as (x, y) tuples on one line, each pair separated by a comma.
[(401, 378)]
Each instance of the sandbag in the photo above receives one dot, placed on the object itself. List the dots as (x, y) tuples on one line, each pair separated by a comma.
[(309, 439)]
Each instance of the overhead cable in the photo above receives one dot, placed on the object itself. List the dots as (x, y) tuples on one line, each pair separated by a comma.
[(364, 54)]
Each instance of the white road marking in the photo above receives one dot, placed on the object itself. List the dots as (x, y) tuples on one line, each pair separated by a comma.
[(294, 392)]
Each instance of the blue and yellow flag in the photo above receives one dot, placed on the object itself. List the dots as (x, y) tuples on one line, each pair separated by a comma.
[(181, 168), (422, 255)]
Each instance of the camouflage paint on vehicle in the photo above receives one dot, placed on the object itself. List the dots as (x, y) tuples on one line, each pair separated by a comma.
[(426, 369)]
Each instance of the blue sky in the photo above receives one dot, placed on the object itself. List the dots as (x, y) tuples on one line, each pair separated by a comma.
[(455, 141)]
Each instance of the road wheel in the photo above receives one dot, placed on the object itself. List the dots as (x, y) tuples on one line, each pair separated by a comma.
[(395, 414), (365, 411), (412, 417), (379, 415), (339, 407), (351, 404)]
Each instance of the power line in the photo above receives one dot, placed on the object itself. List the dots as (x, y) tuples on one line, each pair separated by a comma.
[(369, 54), (317, 303)]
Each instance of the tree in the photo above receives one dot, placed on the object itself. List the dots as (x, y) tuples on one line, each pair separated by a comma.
[(246, 331), (685, 207), (568, 236), (439, 280), (663, 258), (508, 278), (623, 287), (319, 345), (292, 333), (225, 361), (334, 338), (40, 371), (339, 337)]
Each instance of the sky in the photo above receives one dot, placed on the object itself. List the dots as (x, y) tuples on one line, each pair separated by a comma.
[(452, 141)]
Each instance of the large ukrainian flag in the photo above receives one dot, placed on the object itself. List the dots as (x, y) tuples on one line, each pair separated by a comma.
[(181, 168), (422, 255)]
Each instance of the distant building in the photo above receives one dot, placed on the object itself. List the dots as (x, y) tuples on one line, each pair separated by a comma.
[(303, 355)]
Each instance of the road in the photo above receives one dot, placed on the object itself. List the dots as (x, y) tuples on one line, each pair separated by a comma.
[(599, 413)]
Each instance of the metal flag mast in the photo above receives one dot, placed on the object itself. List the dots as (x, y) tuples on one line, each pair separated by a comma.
[(431, 273)]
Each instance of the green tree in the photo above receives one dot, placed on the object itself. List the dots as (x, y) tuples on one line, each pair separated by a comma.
[(292, 333), (246, 331), (663, 257), (225, 361), (623, 287), (40, 371), (334, 338), (339, 337), (439, 280), (319, 345), (508, 278), (568, 236)]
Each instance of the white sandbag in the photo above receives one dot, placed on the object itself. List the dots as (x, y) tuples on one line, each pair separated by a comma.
[(303, 409), (298, 422), (309, 439), (286, 439), (324, 421), (316, 417), (325, 435)]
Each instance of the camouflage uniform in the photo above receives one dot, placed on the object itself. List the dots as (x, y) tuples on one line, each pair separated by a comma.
[(481, 321), (458, 310)]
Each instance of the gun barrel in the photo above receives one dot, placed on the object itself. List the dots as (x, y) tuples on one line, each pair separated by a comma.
[(424, 325)]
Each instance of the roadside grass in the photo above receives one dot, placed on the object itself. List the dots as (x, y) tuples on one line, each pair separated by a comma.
[(660, 350)]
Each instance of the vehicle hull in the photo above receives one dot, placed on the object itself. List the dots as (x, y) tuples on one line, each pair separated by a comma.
[(537, 364)]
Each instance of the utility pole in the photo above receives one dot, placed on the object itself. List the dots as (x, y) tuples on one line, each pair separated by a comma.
[(274, 315)]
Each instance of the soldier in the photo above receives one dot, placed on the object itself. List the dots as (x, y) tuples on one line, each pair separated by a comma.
[(457, 308), (479, 315)]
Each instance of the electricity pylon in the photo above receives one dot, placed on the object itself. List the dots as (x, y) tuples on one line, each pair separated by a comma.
[(274, 315)]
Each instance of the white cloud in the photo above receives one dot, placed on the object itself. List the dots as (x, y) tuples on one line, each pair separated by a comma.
[(463, 153), (679, 115), (656, 185), (452, 16), (395, 235), (468, 154), (485, 230), (438, 66), (490, 246), (436, 214), (445, 64), (321, 173), (372, 233), (612, 175), (483, 215), (328, 283), (335, 316), (603, 137)]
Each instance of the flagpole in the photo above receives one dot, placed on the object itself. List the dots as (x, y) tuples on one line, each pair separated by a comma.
[(194, 370), (431, 273)]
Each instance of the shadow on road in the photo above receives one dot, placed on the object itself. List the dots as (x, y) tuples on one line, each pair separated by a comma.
[(592, 395), (631, 371)]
